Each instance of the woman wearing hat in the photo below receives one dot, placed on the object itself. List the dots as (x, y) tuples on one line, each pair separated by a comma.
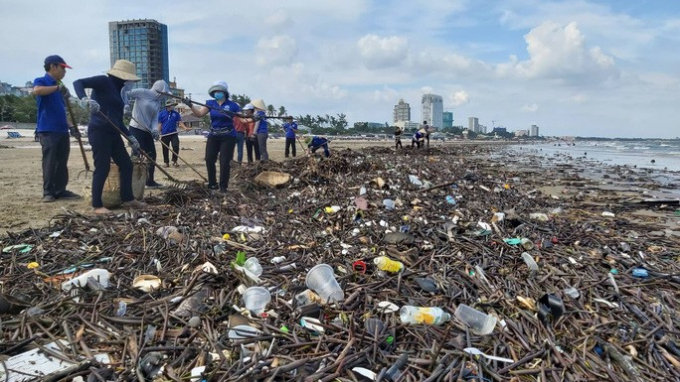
[(222, 136), (105, 128), (168, 119), (261, 128)]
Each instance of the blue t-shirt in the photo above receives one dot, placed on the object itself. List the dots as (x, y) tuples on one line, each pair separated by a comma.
[(317, 142), (51, 108), (168, 121), (290, 128), (222, 123), (106, 91), (262, 127)]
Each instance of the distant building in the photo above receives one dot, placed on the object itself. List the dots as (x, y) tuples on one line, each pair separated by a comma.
[(408, 125), (433, 108), (500, 130), (522, 133), (482, 129), (447, 119), (534, 131), (145, 43), (174, 89), (402, 111), (19, 91), (473, 124)]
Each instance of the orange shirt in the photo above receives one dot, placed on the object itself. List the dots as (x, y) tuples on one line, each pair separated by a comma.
[(244, 125)]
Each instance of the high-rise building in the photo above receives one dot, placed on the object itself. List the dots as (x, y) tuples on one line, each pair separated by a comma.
[(145, 43), (473, 124), (402, 111), (447, 119), (433, 108), (534, 131)]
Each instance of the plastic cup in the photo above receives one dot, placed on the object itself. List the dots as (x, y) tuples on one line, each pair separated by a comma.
[(253, 265), (256, 299), (479, 322), (321, 280)]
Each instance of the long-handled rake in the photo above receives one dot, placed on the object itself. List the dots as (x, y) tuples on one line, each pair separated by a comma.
[(175, 183), (227, 112), (78, 137)]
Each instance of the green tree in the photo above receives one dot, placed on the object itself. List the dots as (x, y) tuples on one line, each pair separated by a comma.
[(282, 111)]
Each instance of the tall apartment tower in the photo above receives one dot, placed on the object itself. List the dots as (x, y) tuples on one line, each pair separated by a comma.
[(145, 43), (534, 131), (447, 119), (402, 111), (433, 109), (473, 124)]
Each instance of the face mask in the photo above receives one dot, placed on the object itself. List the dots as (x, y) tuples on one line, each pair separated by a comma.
[(219, 96)]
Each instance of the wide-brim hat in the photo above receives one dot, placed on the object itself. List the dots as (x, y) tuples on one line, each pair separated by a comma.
[(259, 104), (249, 107), (125, 70), (170, 102), (422, 131)]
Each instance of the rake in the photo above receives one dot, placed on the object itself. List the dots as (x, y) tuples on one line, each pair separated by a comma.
[(78, 137)]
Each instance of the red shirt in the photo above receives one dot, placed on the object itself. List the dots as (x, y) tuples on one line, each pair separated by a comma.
[(244, 125)]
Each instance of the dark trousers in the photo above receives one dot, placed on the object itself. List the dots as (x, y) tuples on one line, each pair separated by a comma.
[(415, 143), (262, 145), (107, 146), (325, 149), (290, 142), (251, 145), (224, 146), (240, 137), (170, 140), (147, 145), (55, 151), (427, 138), (398, 144)]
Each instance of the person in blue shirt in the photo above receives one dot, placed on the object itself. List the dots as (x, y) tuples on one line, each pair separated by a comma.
[(105, 128), (315, 143), (222, 136), (291, 128), (418, 138), (53, 129), (261, 128), (168, 119)]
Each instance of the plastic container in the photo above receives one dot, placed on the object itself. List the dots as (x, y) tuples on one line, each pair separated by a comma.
[(530, 262), (480, 323), (321, 280), (386, 264), (572, 292), (253, 265), (100, 275), (388, 203), (256, 299), (527, 244), (640, 272), (417, 315)]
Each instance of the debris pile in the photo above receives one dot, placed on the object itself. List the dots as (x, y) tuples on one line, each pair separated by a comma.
[(439, 266)]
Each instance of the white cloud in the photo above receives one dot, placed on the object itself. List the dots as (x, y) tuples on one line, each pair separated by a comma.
[(278, 50), (459, 98), (560, 53), (530, 108), (279, 20), (382, 52), (578, 98)]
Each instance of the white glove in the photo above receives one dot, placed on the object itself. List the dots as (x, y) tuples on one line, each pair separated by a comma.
[(127, 111), (90, 104), (134, 143)]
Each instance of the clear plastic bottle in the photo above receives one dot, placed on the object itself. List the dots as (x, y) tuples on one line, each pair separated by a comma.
[(384, 263), (418, 315)]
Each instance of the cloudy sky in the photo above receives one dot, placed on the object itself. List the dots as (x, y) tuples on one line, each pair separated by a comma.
[(591, 68)]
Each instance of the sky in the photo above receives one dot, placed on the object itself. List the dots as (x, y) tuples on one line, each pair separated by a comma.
[(588, 68)]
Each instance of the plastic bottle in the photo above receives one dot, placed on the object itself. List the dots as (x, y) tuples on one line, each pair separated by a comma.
[(384, 263), (417, 315), (479, 322), (388, 203), (450, 199)]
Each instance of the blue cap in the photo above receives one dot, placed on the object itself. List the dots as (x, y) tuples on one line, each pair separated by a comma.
[(54, 59)]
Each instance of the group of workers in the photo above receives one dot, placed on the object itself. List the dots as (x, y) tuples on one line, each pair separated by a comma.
[(420, 138), (231, 126)]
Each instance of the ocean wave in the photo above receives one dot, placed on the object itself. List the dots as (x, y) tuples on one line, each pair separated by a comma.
[(641, 148)]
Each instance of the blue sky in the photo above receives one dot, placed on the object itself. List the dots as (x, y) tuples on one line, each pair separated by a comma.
[(591, 68)]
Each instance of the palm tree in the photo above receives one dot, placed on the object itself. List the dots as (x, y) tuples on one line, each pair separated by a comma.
[(271, 111), (282, 111)]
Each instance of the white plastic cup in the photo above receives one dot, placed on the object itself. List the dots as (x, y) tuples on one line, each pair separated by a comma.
[(253, 265), (321, 280), (256, 299), (480, 323)]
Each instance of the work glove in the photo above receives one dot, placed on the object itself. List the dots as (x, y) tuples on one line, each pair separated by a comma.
[(187, 101), (64, 90), (127, 111), (257, 117), (132, 142), (75, 133), (90, 104), (156, 135)]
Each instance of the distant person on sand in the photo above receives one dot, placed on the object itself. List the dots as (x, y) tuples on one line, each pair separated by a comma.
[(397, 137), (222, 136), (290, 128), (143, 123), (418, 138), (168, 119), (53, 129), (248, 125), (106, 107), (261, 128), (427, 129), (315, 143)]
